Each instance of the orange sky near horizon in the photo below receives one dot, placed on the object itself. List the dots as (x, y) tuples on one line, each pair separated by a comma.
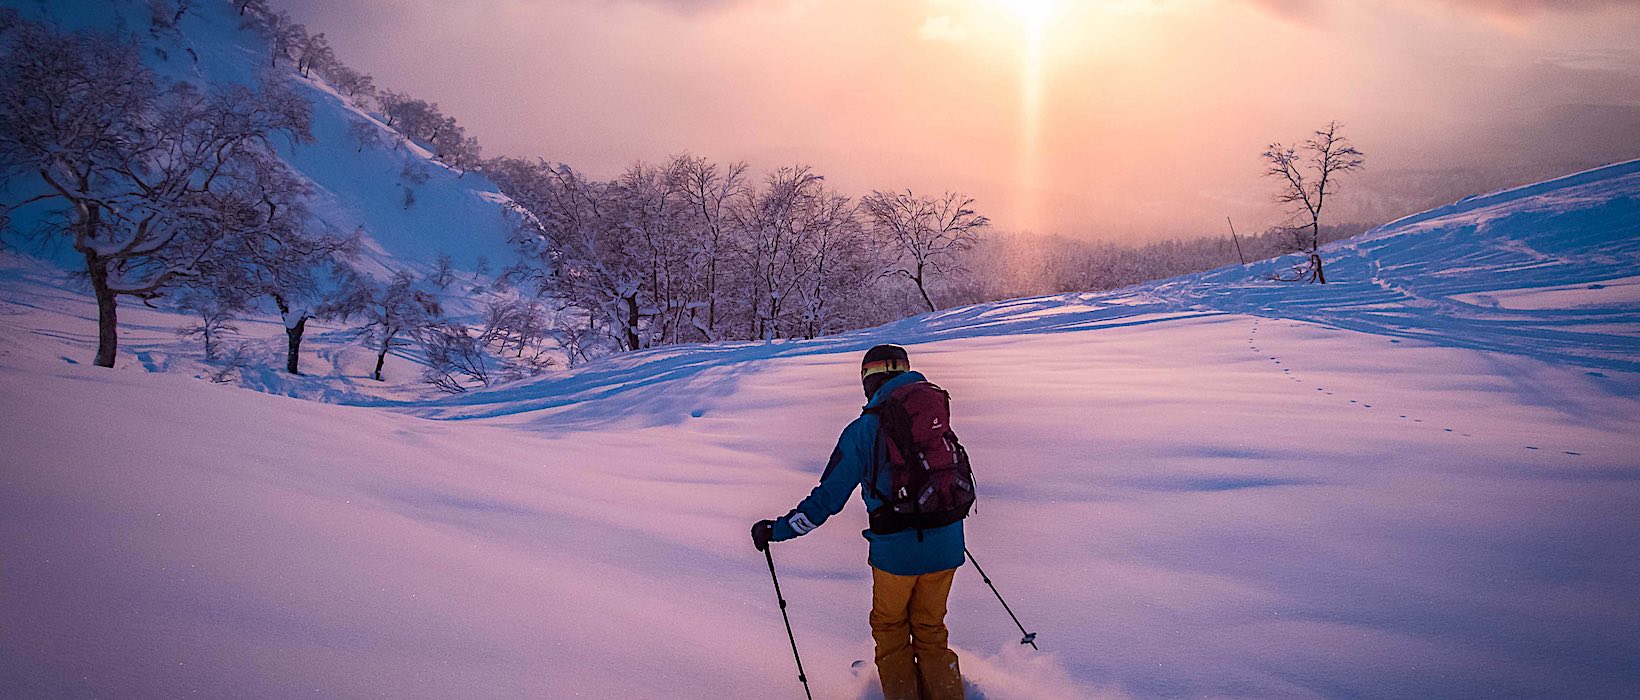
[(1123, 120)]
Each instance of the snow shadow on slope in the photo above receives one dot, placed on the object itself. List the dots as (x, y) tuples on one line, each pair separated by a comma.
[(663, 386)]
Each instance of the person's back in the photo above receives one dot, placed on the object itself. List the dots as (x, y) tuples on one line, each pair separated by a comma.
[(913, 559)]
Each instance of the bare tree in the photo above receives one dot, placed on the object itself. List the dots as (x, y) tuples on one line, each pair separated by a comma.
[(213, 318), (363, 133), (444, 270), (394, 310), (520, 334), (232, 365), (455, 357), (1307, 175), (926, 233)]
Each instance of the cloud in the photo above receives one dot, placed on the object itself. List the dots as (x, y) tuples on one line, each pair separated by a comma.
[(942, 28), (1312, 10), (683, 7), (1527, 7), (1300, 10)]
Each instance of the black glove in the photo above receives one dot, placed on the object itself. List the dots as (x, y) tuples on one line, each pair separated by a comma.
[(761, 532)]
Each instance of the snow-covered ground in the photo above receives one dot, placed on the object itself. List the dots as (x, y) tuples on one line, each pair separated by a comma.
[(1420, 480)]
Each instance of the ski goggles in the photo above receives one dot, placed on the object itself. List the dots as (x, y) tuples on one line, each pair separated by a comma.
[(881, 366)]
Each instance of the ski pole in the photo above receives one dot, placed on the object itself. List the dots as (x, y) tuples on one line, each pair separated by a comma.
[(769, 555), (1030, 637)]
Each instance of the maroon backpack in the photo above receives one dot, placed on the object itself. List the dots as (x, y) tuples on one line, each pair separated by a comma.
[(930, 479)]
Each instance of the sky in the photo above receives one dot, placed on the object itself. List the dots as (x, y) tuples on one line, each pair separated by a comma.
[(1118, 120)]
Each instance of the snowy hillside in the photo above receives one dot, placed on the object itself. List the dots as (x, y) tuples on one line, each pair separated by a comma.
[(1417, 481), (408, 211), (357, 187)]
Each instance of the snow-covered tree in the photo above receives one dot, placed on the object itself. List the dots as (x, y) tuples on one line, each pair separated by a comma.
[(313, 52), (710, 199), (356, 85), (280, 257), (148, 181), (393, 311), (841, 263), (775, 224), (573, 234), (1308, 173), (285, 36), (925, 233)]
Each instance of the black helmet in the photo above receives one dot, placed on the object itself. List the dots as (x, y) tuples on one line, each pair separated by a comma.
[(880, 364)]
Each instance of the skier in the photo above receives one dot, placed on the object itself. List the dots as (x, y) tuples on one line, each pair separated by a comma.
[(915, 547)]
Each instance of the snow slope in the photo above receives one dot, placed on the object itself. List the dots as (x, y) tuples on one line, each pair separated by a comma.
[(1212, 486), (355, 189)]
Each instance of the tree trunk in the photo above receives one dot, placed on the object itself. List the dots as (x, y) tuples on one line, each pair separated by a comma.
[(293, 338), (632, 322), (1315, 248), (711, 295), (930, 302), (108, 338), (381, 357)]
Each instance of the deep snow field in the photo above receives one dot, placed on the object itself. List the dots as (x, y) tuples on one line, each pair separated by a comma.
[(1421, 480)]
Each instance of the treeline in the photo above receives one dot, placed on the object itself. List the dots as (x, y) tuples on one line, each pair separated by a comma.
[(1004, 266), (173, 192), (311, 55), (682, 251), (694, 251)]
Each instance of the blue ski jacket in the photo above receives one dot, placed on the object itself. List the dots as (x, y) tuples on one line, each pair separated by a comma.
[(900, 553)]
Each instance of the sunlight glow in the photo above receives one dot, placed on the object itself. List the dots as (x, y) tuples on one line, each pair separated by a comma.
[(1034, 12), (1036, 16)]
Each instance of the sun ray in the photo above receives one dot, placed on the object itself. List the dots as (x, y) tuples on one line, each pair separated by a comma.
[(1035, 17)]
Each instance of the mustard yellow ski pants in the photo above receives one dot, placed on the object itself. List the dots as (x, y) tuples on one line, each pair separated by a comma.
[(914, 661)]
